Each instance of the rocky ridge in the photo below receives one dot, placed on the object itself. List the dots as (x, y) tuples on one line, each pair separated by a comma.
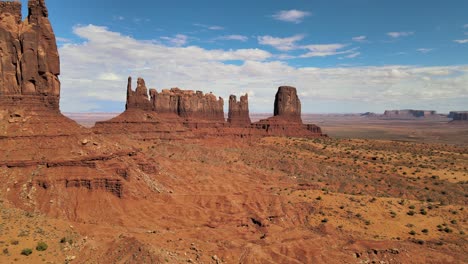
[(195, 114)]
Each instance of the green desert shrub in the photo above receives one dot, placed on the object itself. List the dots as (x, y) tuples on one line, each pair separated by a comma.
[(41, 246), (26, 251)]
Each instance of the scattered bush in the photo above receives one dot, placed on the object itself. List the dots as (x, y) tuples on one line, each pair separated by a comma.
[(425, 231), (41, 246), (411, 212), (324, 220), (26, 252), (412, 232)]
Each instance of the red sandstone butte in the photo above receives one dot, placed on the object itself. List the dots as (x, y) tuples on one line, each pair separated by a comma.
[(186, 104), (30, 63), (238, 114), (287, 117), (287, 104)]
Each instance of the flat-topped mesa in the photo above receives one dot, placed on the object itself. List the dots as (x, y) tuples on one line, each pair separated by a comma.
[(138, 99), (459, 115), (410, 113), (287, 104), (188, 104), (238, 114), (30, 62)]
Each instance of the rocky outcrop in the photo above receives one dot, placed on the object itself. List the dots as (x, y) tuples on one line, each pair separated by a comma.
[(287, 104), (175, 114), (287, 117), (459, 115), (238, 114), (186, 104), (409, 114), (138, 99), (199, 106), (30, 62)]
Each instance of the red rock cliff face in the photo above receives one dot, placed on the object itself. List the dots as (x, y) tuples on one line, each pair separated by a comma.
[(30, 62), (200, 106), (184, 103), (287, 104), (238, 114)]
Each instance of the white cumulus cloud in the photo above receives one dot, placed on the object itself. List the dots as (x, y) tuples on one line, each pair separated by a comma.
[(360, 39), (95, 71), (294, 16), (400, 34), (233, 37), (178, 40), (283, 44), (461, 41)]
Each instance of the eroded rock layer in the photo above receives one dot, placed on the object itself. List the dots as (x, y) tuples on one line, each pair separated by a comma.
[(30, 63)]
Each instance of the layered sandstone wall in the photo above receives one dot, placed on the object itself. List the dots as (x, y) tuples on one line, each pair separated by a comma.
[(30, 62), (184, 103)]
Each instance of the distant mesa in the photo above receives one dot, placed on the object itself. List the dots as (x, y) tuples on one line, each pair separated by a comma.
[(30, 63), (410, 114), (458, 115), (369, 114)]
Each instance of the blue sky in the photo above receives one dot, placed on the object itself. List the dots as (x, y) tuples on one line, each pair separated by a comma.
[(343, 56)]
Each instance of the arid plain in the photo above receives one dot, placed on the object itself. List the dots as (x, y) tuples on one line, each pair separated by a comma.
[(170, 180)]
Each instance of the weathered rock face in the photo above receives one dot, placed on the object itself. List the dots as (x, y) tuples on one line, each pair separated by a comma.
[(287, 117), (459, 115), (287, 104), (409, 113), (184, 103), (238, 114), (176, 114), (199, 106), (138, 99), (30, 62)]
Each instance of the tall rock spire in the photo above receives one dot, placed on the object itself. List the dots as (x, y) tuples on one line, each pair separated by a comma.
[(238, 114), (30, 60)]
